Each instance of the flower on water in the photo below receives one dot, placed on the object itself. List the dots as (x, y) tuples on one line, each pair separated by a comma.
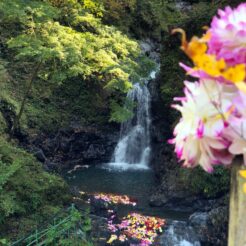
[(198, 135), (112, 239), (123, 238), (137, 226), (115, 199), (228, 35)]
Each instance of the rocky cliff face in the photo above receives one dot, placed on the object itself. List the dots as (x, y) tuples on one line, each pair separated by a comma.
[(75, 146)]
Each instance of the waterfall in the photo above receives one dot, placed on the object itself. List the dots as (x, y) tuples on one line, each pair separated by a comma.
[(133, 148)]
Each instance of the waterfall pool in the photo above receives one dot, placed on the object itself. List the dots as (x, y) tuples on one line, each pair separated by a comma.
[(135, 183)]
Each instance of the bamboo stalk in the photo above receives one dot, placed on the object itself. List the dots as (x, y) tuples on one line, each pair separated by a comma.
[(237, 220)]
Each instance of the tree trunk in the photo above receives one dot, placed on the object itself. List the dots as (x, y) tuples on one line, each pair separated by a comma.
[(237, 220), (23, 103)]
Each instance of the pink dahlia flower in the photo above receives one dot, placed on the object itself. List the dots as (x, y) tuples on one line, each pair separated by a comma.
[(236, 132), (198, 136), (228, 35)]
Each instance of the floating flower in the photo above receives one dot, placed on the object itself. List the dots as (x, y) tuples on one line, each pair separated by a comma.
[(198, 135), (140, 227), (228, 35), (115, 199), (123, 238), (112, 239)]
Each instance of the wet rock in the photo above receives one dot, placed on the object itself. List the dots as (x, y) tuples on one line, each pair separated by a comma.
[(64, 145), (146, 46), (100, 207), (51, 166), (178, 234), (211, 226), (183, 201), (77, 167), (200, 222), (183, 6), (75, 146), (93, 151), (151, 49), (39, 154), (158, 200), (100, 232)]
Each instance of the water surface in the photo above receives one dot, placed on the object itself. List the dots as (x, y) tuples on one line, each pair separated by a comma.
[(138, 184)]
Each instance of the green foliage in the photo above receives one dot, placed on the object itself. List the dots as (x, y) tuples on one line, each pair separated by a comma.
[(70, 230), (71, 54), (143, 18), (24, 187), (67, 227), (122, 113), (118, 9), (26, 12), (7, 171), (71, 43), (208, 185), (68, 53), (71, 9), (172, 75), (4, 241), (143, 69)]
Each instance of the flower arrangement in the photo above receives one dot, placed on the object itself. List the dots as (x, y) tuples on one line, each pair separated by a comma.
[(212, 128)]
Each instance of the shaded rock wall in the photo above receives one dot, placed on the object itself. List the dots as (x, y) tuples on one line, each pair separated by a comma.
[(75, 146)]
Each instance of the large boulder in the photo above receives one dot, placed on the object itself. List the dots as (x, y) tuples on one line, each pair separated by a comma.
[(178, 233), (211, 226)]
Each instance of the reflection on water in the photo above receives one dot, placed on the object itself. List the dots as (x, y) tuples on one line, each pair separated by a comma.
[(137, 184)]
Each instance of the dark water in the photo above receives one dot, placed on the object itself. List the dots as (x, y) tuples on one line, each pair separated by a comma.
[(137, 184)]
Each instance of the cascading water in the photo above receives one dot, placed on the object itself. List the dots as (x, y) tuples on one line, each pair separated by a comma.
[(133, 148)]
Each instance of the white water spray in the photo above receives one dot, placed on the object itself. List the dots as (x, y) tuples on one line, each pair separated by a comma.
[(133, 148)]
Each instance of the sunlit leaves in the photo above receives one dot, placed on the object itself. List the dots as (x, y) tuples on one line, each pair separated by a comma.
[(72, 43), (68, 53), (122, 113)]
